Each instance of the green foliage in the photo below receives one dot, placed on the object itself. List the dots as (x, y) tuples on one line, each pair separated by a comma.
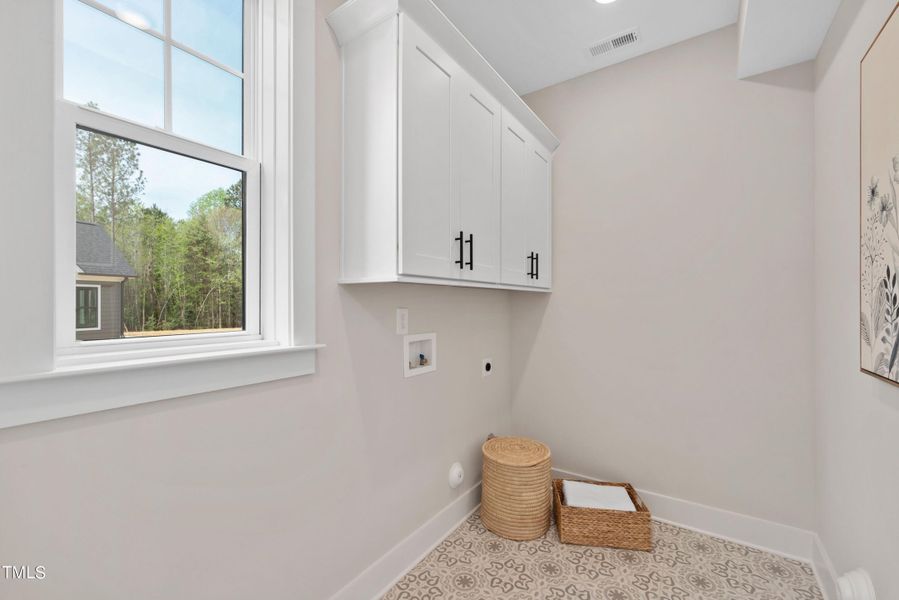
[(190, 271), (110, 181), (220, 198)]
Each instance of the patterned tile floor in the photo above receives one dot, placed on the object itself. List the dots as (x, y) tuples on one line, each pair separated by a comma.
[(474, 564)]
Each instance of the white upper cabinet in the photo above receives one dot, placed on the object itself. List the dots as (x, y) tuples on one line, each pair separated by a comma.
[(477, 151), (539, 194), (450, 166), (428, 79), (526, 208), (516, 251), (446, 172)]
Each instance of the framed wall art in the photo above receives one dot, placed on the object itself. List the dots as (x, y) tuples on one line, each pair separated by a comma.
[(879, 226)]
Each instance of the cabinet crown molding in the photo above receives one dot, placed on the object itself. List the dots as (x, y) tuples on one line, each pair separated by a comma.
[(356, 17)]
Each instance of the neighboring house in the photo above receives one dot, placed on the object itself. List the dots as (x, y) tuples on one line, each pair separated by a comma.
[(101, 271)]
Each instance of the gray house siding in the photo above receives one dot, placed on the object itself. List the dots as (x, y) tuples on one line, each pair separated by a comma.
[(110, 312), (100, 262)]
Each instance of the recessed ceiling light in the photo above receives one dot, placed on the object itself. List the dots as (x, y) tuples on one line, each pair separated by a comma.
[(605, 1)]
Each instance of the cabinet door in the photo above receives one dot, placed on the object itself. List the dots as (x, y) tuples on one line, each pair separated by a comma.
[(539, 190), (476, 176), (526, 208), (427, 77), (516, 202)]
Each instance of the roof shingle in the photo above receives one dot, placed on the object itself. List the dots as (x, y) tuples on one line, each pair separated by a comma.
[(95, 254)]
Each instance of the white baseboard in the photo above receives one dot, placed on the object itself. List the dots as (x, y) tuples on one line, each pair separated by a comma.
[(378, 578), (827, 575), (777, 538)]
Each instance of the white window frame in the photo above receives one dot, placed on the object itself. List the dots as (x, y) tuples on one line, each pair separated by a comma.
[(70, 116), (99, 289), (91, 377)]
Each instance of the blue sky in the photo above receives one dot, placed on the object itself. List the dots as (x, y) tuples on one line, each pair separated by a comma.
[(173, 181), (120, 68)]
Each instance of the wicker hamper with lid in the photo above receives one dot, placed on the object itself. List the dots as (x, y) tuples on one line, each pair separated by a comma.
[(516, 500)]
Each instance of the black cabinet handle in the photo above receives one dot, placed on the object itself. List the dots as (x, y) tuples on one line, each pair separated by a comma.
[(461, 260), (470, 242), (537, 270), (530, 258)]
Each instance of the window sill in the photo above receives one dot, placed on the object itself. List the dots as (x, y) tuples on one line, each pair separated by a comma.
[(79, 389)]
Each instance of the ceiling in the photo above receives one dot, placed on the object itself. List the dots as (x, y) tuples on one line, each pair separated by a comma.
[(537, 43), (776, 34)]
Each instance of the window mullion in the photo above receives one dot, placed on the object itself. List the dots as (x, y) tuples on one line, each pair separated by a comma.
[(167, 67), (205, 58), (77, 115)]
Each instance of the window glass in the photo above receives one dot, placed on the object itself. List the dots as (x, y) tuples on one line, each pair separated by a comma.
[(113, 66), (116, 62), (170, 227), (211, 27), (86, 305), (207, 103), (143, 14)]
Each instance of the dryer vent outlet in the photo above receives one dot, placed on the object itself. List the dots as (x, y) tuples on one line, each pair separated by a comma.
[(856, 585)]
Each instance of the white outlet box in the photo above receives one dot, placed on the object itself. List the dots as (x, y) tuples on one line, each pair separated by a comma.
[(402, 321)]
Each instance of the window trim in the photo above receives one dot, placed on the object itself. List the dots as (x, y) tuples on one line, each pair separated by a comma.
[(70, 391), (53, 389), (99, 289)]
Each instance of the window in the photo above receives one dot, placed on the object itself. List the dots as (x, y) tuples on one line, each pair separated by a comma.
[(87, 307), (168, 113), (157, 113), (139, 109), (172, 227)]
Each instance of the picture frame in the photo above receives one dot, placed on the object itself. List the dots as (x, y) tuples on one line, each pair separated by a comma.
[(878, 219)]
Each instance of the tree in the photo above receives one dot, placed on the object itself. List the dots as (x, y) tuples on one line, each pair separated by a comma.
[(88, 164), (220, 214), (156, 259), (218, 198), (190, 271), (87, 159), (110, 181)]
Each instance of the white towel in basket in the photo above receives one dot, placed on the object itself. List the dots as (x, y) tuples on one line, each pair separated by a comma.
[(589, 495)]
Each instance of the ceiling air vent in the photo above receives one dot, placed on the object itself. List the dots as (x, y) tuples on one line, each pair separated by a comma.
[(622, 40)]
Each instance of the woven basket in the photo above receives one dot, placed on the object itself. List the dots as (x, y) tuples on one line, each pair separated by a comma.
[(598, 527), (516, 499)]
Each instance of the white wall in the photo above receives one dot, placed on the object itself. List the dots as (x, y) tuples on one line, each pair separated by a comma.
[(857, 415), (282, 490), (676, 349)]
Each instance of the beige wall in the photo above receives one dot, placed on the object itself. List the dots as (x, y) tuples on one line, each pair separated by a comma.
[(676, 348), (857, 415), (284, 490)]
